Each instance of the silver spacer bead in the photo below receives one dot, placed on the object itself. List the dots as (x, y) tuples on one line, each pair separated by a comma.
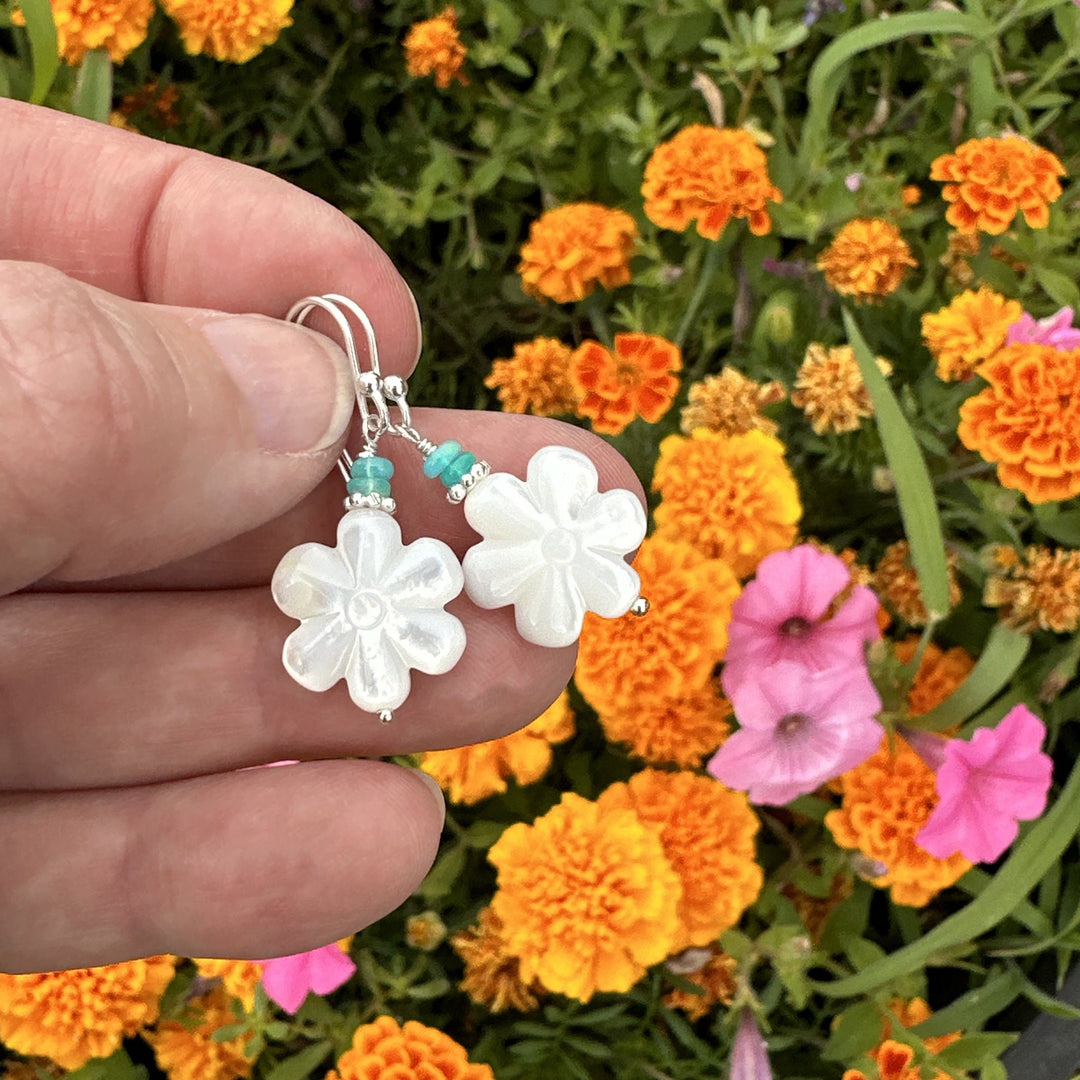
[(385, 716), (356, 501), (456, 493), (394, 386), (475, 474), (425, 446), (639, 607), (370, 383)]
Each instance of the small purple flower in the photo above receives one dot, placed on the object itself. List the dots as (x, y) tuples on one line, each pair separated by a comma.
[(749, 1054), (854, 181), (1056, 329), (815, 9)]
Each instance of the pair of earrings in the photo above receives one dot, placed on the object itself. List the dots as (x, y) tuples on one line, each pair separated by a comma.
[(371, 608)]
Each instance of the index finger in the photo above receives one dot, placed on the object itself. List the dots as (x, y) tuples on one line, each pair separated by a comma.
[(160, 223)]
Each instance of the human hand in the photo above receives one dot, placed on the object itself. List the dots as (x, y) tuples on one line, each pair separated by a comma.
[(157, 458)]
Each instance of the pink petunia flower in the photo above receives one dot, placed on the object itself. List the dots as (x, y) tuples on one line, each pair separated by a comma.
[(783, 614), (988, 785), (1056, 330), (798, 728), (287, 980), (749, 1053)]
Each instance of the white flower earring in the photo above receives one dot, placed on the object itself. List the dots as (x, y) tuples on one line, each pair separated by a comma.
[(371, 608)]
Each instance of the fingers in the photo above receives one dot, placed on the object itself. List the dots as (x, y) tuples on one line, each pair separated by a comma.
[(134, 434), (174, 226), (261, 863), (139, 688)]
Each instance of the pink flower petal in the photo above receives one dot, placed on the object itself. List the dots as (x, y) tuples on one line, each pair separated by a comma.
[(288, 980), (749, 1052), (1056, 330)]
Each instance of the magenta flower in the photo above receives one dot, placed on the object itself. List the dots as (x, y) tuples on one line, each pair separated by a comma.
[(798, 728), (287, 980), (784, 614), (986, 786), (749, 1054), (1056, 330)]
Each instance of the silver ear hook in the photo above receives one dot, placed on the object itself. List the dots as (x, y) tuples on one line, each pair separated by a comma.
[(368, 384)]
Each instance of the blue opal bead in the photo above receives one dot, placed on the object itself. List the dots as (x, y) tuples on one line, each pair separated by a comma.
[(380, 467), (440, 457), (368, 485), (457, 468)]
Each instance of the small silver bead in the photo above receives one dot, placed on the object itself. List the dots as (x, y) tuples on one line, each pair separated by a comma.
[(370, 383), (425, 446), (468, 480), (394, 386), (639, 607), (388, 504), (456, 493), (481, 469), (385, 716)]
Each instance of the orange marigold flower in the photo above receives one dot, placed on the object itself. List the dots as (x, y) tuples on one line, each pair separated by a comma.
[(968, 331), (990, 181), (586, 896), (867, 260), (829, 388), (575, 247), (910, 195), (911, 1014), (535, 379), (117, 26), (732, 497), (886, 802), (711, 969), (731, 404), (233, 30), (492, 975), (73, 1016), (940, 673), (681, 730), (708, 833), (187, 1050), (239, 977), (1028, 420), (1040, 593), (623, 663), (709, 175), (387, 1050), (637, 379), (433, 47), (896, 582), (471, 773), (892, 1060)]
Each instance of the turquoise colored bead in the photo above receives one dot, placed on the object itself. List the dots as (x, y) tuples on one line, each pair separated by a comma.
[(380, 467), (368, 485), (457, 468), (440, 457)]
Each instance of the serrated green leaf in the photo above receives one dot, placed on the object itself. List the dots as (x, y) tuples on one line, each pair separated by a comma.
[(302, 1063), (1058, 286)]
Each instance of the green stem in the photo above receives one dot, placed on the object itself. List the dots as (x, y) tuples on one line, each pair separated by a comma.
[(598, 319), (709, 267)]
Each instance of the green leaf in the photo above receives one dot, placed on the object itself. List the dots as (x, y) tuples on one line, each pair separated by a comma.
[(915, 493), (857, 1029), (1047, 1002), (94, 87), (974, 1008), (302, 1063), (441, 877), (1058, 286), (1001, 657), (41, 31), (1029, 861), (972, 1051)]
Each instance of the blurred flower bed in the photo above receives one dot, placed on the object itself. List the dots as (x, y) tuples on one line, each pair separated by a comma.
[(812, 268)]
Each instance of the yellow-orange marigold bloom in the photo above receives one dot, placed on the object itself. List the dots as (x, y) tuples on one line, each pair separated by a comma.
[(73, 1016), (626, 661), (731, 404), (188, 1051), (711, 969), (990, 181), (1027, 420), (471, 773), (387, 1050), (709, 175), (894, 1060), (940, 673), (732, 497), (896, 582), (117, 26), (492, 975), (829, 388), (586, 896), (233, 30), (968, 331), (708, 833), (433, 47), (535, 379), (574, 248), (910, 195), (680, 730), (238, 977), (886, 802), (867, 260), (1040, 593), (637, 379)]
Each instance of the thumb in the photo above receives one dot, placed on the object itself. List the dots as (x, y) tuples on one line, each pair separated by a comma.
[(132, 434)]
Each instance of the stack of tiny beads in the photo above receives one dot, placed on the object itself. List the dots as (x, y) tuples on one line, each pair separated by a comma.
[(369, 483), (456, 469)]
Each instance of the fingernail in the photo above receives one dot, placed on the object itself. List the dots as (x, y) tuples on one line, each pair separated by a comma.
[(436, 792), (296, 382)]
